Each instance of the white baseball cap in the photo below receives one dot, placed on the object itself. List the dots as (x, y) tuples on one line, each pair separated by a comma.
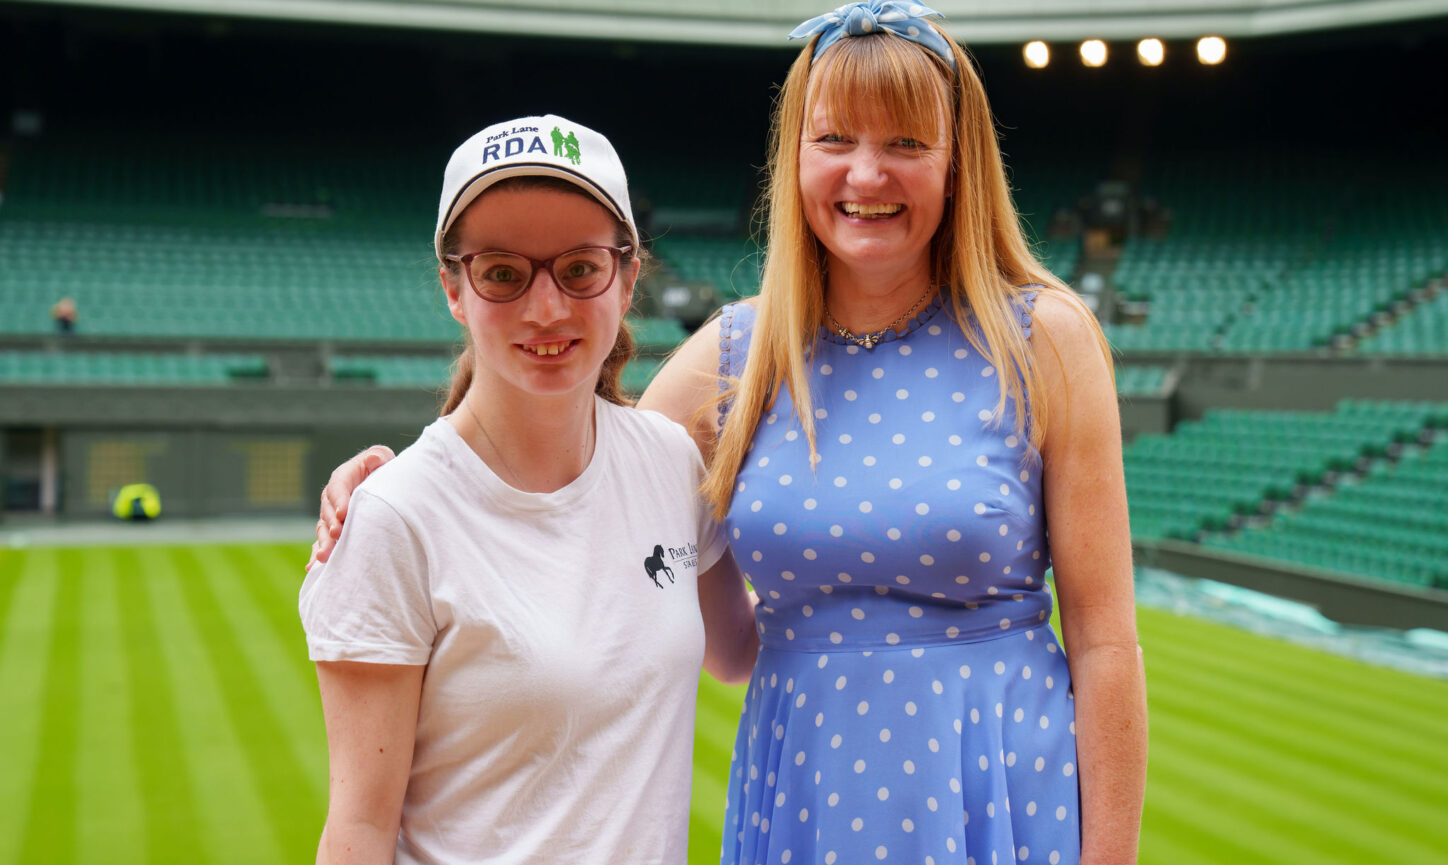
[(547, 146)]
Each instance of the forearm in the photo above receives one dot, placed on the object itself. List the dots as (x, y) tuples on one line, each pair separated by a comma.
[(731, 640), (371, 715), (357, 842), (1111, 745), (732, 645), (732, 667)]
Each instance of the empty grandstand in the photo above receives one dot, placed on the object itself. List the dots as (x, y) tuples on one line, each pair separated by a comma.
[(256, 277), (216, 277)]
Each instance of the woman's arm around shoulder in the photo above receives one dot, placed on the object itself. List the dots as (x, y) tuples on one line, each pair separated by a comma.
[(1090, 538), (371, 715), (686, 388)]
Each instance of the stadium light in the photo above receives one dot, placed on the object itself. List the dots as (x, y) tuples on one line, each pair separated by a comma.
[(1150, 52), (1211, 50), (1093, 53), (1038, 54)]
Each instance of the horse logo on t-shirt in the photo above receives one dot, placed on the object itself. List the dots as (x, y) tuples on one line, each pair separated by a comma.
[(654, 564)]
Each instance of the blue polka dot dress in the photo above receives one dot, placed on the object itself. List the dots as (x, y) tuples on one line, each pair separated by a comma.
[(910, 703)]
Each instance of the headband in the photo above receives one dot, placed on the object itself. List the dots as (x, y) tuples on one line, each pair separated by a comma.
[(904, 19)]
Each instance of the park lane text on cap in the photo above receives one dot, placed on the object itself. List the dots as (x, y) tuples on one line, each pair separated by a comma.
[(547, 146)]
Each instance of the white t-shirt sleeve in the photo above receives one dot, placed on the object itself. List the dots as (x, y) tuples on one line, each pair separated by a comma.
[(370, 602), (712, 540)]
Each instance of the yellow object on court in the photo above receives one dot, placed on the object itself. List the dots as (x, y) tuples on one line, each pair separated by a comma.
[(137, 502)]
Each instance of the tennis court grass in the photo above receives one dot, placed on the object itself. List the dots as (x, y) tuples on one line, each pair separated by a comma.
[(156, 706)]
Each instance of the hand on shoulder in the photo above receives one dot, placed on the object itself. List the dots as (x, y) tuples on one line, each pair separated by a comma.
[(338, 493)]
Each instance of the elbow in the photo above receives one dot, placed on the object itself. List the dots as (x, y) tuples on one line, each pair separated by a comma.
[(734, 667), (733, 674)]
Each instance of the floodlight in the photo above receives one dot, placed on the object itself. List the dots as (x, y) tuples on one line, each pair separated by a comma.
[(1038, 54), (1211, 50), (1151, 52), (1093, 52)]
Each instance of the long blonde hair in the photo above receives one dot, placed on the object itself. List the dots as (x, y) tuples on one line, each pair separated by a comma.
[(980, 258)]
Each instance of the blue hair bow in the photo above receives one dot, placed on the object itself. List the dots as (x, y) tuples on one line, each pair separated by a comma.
[(904, 19)]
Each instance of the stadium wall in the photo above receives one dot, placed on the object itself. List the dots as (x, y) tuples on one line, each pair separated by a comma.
[(1296, 382), (1341, 598), (763, 23), (240, 449)]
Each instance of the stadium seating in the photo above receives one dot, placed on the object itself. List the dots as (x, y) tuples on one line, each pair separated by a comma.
[(656, 335), (392, 371), (1422, 329), (699, 195), (252, 281), (128, 368), (638, 373), (1277, 252), (219, 239), (1060, 256), (1391, 524), (730, 264), (197, 236), (1232, 462), (1140, 380)]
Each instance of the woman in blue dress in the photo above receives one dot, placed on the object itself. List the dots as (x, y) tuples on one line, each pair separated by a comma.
[(908, 404), (891, 426)]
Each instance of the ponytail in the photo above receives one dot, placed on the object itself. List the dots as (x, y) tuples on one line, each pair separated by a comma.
[(462, 377)]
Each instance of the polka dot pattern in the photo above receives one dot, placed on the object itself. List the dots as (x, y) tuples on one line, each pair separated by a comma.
[(913, 493), (905, 688)]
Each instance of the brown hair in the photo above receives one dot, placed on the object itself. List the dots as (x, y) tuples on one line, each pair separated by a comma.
[(980, 259), (610, 385)]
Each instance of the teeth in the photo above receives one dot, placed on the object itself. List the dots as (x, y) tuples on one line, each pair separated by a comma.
[(550, 348), (869, 210)]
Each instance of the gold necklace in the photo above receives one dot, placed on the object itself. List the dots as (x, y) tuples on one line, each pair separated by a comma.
[(870, 340), (467, 404)]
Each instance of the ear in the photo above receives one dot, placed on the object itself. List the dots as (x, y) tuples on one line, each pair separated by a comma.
[(629, 273), (452, 287)]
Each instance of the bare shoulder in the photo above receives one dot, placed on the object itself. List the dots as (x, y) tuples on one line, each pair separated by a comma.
[(1068, 328), (1074, 363), (686, 386)]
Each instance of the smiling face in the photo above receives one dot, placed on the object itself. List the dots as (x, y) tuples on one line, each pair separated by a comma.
[(875, 157), (873, 193), (544, 343)]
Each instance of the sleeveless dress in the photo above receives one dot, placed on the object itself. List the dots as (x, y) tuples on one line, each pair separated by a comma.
[(910, 702)]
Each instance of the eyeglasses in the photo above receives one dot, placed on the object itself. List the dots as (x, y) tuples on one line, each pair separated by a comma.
[(581, 273)]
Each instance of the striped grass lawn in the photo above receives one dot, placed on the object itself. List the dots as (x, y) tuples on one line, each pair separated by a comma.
[(157, 706)]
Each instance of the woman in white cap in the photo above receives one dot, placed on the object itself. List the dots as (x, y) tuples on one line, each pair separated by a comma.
[(508, 635)]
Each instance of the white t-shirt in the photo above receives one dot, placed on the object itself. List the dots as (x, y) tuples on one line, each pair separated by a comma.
[(562, 637)]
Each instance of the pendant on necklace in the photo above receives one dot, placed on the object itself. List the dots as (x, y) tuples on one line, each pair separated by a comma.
[(868, 340)]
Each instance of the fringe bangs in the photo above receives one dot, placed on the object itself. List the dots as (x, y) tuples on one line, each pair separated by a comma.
[(865, 82)]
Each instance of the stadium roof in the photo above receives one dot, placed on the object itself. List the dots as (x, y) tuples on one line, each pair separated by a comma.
[(763, 23)]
